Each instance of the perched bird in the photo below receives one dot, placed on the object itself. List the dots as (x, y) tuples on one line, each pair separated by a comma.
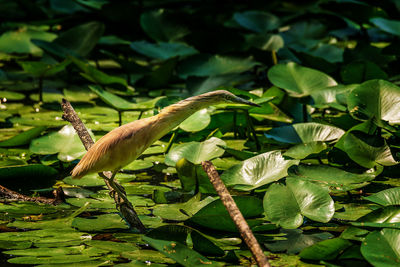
[(124, 144)]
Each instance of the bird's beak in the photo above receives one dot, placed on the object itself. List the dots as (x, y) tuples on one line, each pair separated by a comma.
[(239, 100)]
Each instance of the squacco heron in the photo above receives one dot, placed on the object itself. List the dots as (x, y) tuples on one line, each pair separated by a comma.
[(124, 144)]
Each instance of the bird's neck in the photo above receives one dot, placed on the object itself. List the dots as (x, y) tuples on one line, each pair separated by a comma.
[(171, 116)]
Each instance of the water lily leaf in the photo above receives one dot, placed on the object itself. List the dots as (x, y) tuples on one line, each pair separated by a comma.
[(196, 152), (258, 21), (368, 150), (380, 248), (387, 25), (121, 104), (332, 178), (94, 75), (296, 241), (82, 38), (31, 170), (388, 217), (257, 171), (360, 71), (163, 26), (215, 216), (301, 151), (331, 96), (197, 121), (193, 177), (51, 260), (42, 69), (179, 252), (386, 197), (325, 250), (23, 138), (10, 95), (286, 205), (182, 211), (265, 42), (210, 65), (375, 99), (305, 133), (297, 80), (19, 41), (101, 222), (64, 142), (89, 180), (163, 50)]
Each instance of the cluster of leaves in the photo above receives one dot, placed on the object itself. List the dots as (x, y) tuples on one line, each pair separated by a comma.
[(314, 168)]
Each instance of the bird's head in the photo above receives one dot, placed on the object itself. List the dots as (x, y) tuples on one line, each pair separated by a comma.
[(222, 96)]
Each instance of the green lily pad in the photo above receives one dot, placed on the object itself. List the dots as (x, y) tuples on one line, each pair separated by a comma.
[(286, 205), (30, 170), (94, 75), (196, 152), (182, 211), (100, 223), (332, 178), (19, 41), (305, 133), (215, 216), (163, 50), (209, 65), (257, 171), (197, 121), (301, 151), (64, 142), (381, 248), (23, 138), (387, 25), (162, 26), (121, 104), (386, 197), (325, 250), (375, 99), (258, 21), (10, 95), (42, 69), (297, 80)]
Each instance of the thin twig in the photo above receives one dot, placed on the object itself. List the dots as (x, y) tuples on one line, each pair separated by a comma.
[(235, 214), (7, 195), (125, 206)]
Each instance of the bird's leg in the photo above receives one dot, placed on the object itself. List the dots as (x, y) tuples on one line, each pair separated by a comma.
[(117, 189)]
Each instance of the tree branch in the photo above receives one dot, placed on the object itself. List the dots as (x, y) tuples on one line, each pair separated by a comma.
[(235, 214), (8, 195), (124, 206)]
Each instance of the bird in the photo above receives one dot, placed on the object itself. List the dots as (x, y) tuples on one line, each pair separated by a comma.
[(124, 144)]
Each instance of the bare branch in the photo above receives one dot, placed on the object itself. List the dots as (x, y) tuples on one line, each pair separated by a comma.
[(235, 214)]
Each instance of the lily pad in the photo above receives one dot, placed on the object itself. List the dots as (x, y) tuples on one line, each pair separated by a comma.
[(305, 133), (64, 142), (380, 248), (297, 80), (286, 205), (258, 21), (23, 138), (375, 99), (196, 122), (163, 50), (387, 25), (196, 152), (257, 171), (386, 197), (325, 250)]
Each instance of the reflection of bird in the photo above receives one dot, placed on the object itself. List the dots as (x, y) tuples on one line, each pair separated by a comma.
[(125, 143)]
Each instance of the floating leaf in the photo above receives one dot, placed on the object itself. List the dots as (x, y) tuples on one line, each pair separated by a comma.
[(257, 171), (257, 21), (31, 170), (305, 133), (42, 69), (23, 138), (386, 197), (196, 122), (64, 142), (375, 99), (215, 216), (325, 250), (380, 248), (297, 80), (210, 65), (179, 252), (196, 152), (163, 50), (332, 178), (286, 205), (387, 25)]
